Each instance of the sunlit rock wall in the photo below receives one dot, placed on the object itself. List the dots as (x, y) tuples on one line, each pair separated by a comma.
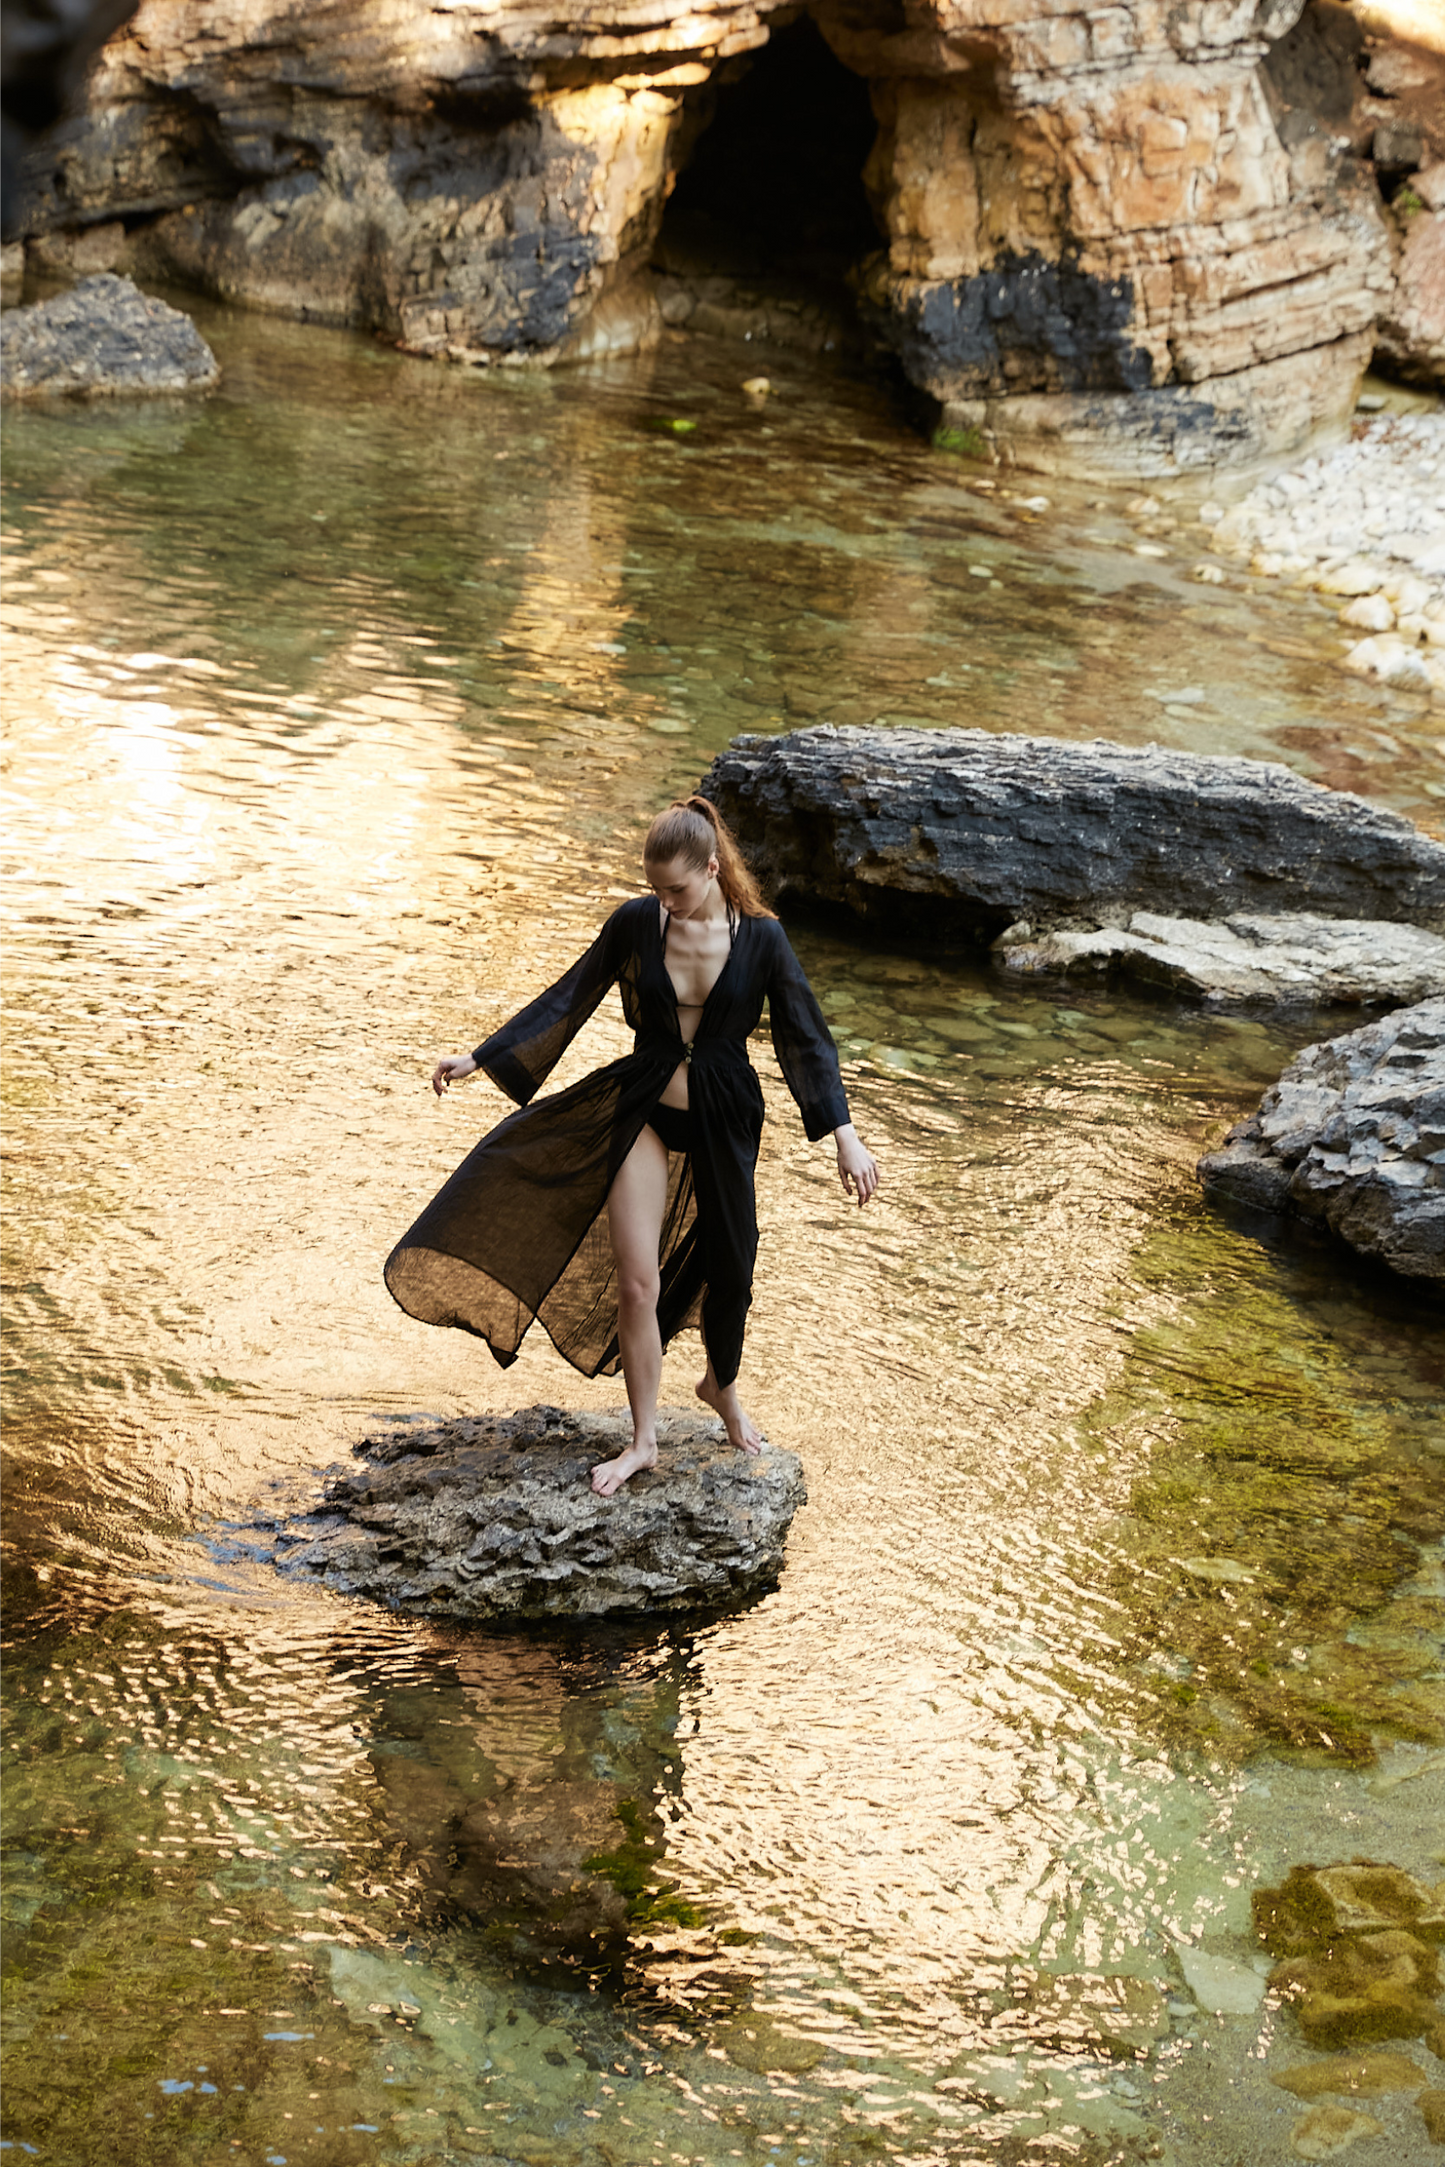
[(1124, 226), (471, 179), (1115, 232)]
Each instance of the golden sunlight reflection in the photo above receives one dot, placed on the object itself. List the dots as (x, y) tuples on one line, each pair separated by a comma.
[(288, 817)]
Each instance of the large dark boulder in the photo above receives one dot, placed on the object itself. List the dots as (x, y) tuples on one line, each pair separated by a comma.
[(1353, 1134), (495, 1518), (966, 833), (102, 339)]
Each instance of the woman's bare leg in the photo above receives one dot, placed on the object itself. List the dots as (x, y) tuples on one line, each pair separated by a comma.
[(635, 1211), (723, 1399)]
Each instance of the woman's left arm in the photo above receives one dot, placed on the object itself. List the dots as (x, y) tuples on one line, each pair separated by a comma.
[(809, 1062), (857, 1167)]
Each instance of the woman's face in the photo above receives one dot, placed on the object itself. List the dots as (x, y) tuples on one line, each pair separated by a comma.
[(683, 890)]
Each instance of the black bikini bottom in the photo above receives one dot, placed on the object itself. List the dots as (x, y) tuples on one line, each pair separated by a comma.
[(672, 1125)]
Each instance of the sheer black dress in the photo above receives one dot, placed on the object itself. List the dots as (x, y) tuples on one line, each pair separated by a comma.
[(520, 1229)]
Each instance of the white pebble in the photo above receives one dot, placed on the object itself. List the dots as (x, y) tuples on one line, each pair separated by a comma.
[(1389, 659), (1369, 613)]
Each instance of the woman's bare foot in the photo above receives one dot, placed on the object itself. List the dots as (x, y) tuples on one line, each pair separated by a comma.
[(609, 1475), (723, 1400)]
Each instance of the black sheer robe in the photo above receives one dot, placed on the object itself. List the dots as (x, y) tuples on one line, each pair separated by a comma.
[(520, 1229)]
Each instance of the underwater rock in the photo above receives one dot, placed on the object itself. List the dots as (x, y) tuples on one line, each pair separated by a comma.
[(1361, 2076), (1373, 1986), (757, 2044), (495, 1518), (964, 833), (1314, 1905), (1291, 956), (1357, 1963), (1121, 2015), (1325, 2132), (1353, 1134), (1219, 1984), (102, 339), (1432, 2107)]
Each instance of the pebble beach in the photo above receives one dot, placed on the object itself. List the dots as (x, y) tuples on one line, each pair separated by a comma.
[(1365, 523)]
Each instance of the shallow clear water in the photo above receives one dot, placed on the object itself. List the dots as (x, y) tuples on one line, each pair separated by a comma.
[(338, 705)]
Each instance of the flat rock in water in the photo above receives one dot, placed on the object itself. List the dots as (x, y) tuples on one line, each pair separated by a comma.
[(961, 831), (1354, 1134), (1292, 956), (102, 339), (495, 1518)]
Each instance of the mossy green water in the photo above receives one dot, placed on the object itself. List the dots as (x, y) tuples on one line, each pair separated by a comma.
[(1282, 1493), (632, 1868)]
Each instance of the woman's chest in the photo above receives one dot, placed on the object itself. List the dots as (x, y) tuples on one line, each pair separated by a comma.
[(694, 959)]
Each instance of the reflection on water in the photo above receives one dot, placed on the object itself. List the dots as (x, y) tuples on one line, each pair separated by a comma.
[(339, 704)]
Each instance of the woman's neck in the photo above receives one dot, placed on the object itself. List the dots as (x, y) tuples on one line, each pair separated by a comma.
[(717, 914)]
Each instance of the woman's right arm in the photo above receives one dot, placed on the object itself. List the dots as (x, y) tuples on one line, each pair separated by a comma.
[(452, 1068), (520, 1056)]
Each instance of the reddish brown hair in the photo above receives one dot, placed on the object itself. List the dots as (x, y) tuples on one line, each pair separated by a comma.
[(694, 830)]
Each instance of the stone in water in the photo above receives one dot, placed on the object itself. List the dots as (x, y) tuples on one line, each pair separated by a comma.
[(1325, 2132), (102, 339), (496, 1518)]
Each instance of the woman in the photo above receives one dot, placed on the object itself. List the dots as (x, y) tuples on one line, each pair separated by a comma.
[(622, 1209)]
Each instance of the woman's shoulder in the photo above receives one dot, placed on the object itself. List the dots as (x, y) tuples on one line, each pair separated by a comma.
[(630, 919), (633, 911), (768, 934)]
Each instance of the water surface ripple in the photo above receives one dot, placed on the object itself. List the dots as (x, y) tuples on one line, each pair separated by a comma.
[(338, 705)]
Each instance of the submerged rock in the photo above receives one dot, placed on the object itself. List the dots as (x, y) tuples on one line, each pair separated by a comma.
[(1353, 1134), (1378, 1986), (1115, 2014), (1325, 2132), (1359, 2076), (102, 339), (1358, 1957), (964, 833), (1219, 1984), (495, 1518), (1315, 1905)]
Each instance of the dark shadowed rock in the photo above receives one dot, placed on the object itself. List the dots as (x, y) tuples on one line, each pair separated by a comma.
[(102, 339), (1354, 1134), (962, 831), (495, 1518)]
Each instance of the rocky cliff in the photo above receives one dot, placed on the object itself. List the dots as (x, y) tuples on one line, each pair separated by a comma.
[(1129, 232)]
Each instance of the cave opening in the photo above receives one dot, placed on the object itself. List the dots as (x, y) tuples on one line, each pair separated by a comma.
[(771, 189)]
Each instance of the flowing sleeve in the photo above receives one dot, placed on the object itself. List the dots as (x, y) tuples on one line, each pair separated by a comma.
[(803, 1044), (522, 1054)]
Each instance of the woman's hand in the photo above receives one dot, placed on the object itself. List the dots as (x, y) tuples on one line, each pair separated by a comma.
[(452, 1068), (857, 1167)]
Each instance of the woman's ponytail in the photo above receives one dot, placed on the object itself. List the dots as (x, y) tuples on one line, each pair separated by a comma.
[(694, 830)]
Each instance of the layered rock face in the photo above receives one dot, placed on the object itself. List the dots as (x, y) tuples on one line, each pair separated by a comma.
[(1119, 229), (1119, 232), (1353, 1134)]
